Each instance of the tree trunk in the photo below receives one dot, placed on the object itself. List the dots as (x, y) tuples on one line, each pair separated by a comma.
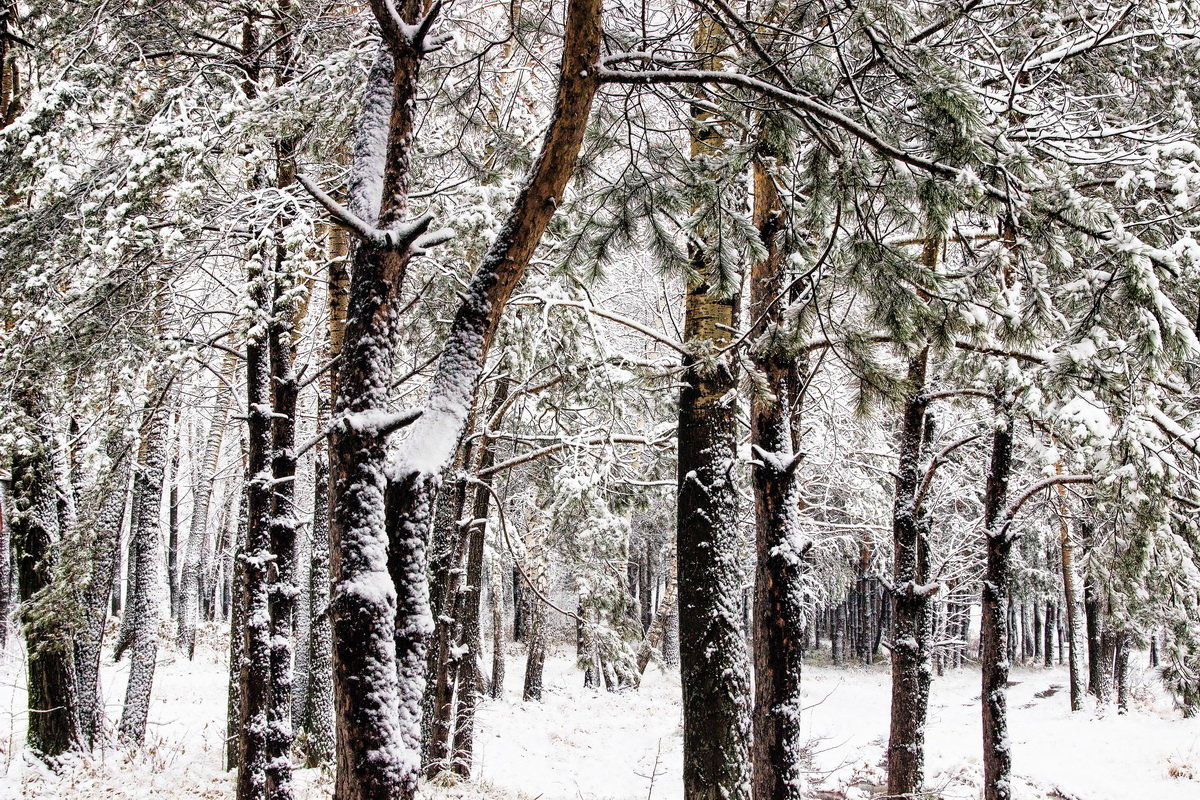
[(779, 612), (1124, 643), (497, 595), (1072, 604), (381, 611), (911, 669), (6, 573), (535, 549), (668, 604), (106, 546), (53, 714), (1099, 666), (189, 584), (994, 632), (142, 607), (254, 675)]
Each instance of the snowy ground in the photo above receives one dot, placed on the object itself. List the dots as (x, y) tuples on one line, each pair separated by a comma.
[(585, 745)]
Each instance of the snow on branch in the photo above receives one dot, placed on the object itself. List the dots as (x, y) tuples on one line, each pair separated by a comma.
[(1006, 519), (413, 237)]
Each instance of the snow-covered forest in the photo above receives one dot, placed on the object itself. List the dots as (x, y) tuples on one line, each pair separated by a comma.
[(599, 399)]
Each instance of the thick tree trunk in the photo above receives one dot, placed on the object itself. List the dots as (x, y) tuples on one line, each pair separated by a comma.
[(254, 674), (142, 607), (995, 632), (714, 668), (779, 611), (381, 611), (35, 529)]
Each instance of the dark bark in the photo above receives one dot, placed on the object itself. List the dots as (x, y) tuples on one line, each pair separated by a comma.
[(781, 561), (1124, 643), (381, 593), (35, 530), (254, 672), (1099, 664), (6, 571), (237, 627), (910, 649), (316, 725), (994, 632)]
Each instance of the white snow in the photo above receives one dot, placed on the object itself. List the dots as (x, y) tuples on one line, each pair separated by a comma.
[(584, 744)]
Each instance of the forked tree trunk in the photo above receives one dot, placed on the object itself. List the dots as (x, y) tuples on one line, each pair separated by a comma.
[(994, 630), (381, 610), (668, 604)]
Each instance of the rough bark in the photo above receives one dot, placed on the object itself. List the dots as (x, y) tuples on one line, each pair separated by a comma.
[(194, 546), (779, 609), (911, 669), (142, 606), (381, 613), (1072, 603), (254, 669), (105, 550), (994, 631), (714, 665), (35, 530), (535, 640)]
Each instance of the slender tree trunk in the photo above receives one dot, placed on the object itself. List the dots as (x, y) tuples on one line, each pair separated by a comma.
[(911, 670), (995, 632), (1124, 643), (106, 546), (535, 549), (1072, 602), (497, 593), (237, 626), (189, 584), (6, 571), (143, 606), (656, 636), (317, 721), (778, 634)]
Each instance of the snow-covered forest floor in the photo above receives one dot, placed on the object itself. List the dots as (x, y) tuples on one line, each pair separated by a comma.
[(581, 744)]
